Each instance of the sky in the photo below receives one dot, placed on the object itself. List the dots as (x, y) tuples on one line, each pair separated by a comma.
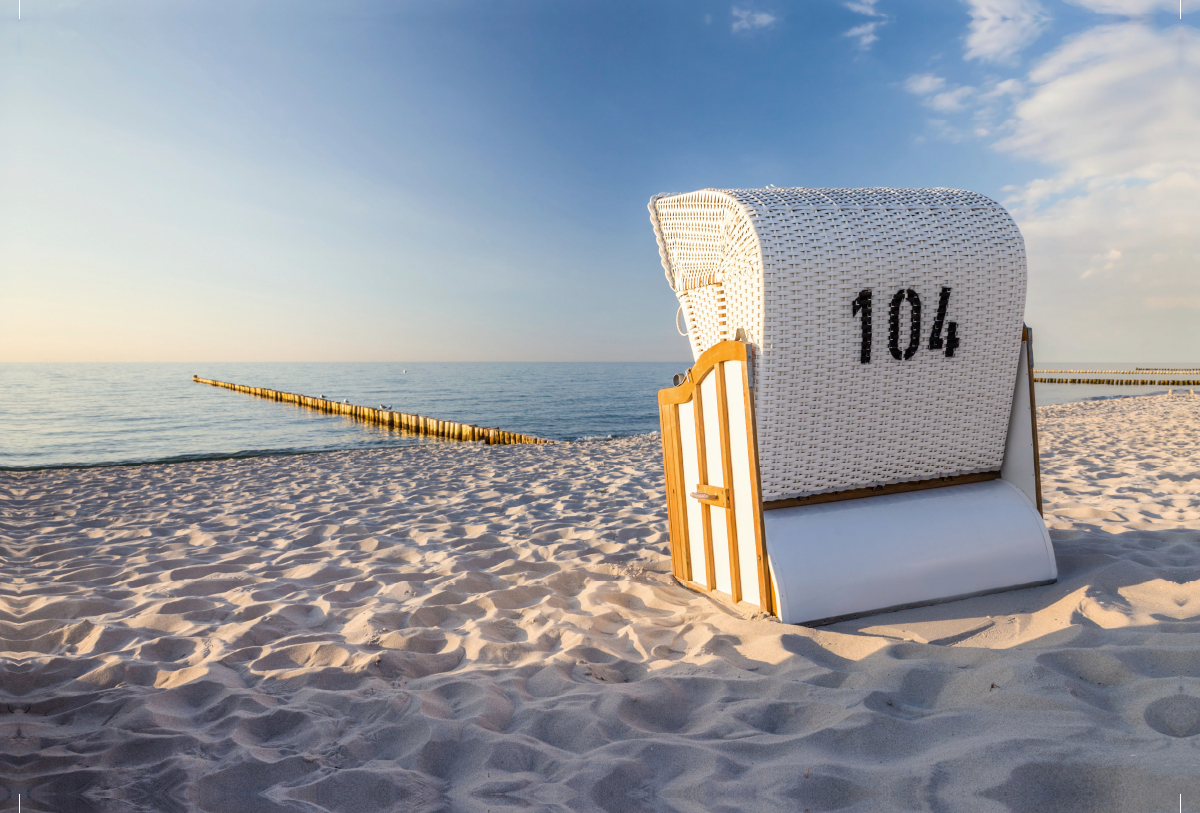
[(467, 181)]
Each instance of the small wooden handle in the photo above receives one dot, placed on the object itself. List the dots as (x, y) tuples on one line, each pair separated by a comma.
[(711, 495)]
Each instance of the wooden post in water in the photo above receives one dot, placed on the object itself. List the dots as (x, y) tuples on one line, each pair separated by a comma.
[(403, 421)]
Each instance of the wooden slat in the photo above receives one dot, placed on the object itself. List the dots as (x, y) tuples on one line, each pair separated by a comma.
[(681, 565), (735, 568), (1037, 460), (710, 564), (766, 593)]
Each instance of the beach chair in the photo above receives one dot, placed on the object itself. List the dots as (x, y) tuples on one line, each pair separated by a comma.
[(857, 433)]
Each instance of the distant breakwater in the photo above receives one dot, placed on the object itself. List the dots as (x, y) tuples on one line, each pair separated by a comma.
[(403, 421), (1047, 377)]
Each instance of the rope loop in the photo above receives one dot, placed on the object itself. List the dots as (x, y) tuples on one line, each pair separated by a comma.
[(682, 330)]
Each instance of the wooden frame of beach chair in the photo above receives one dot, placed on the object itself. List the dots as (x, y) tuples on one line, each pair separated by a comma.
[(824, 530)]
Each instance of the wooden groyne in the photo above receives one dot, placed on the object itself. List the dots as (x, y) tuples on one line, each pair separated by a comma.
[(1135, 371), (404, 421), (1121, 382)]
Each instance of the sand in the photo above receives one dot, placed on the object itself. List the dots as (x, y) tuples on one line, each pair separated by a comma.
[(467, 628)]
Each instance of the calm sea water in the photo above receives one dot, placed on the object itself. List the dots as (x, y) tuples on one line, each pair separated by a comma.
[(90, 414), (97, 414)]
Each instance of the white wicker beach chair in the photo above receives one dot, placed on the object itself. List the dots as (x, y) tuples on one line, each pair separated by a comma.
[(857, 433)]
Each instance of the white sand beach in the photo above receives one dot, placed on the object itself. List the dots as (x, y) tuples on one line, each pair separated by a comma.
[(469, 628)]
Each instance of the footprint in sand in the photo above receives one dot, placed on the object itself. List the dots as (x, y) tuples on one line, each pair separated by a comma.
[(1175, 716)]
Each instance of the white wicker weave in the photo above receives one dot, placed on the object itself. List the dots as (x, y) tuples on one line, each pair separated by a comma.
[(786, 265)]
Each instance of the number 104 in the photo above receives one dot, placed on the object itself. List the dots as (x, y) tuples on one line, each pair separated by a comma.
[(862, 307)]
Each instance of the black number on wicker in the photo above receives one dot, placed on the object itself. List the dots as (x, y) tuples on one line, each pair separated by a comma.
[(935, 336), (914, 330), (863, 302), (951, 339)]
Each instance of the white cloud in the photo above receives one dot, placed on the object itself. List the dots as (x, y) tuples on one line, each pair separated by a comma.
[(1001, 28), (951, 100), (923, 83), (1006, 87), (945, 131), (1109, 260), (866, 7), (1117, 102), (865, 33), (1128, 8), (1164, 303), (745, 19), (930, 87), (1113, 114), (1111, 233)]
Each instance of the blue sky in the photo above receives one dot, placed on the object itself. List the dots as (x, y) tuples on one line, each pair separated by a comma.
[(468, 180)]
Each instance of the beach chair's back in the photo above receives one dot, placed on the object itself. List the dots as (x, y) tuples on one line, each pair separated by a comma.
[(885, 326)]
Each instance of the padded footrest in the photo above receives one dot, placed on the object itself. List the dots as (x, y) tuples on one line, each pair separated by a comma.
[(856, 557)]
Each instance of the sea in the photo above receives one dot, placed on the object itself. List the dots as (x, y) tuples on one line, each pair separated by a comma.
[(94, 414)]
